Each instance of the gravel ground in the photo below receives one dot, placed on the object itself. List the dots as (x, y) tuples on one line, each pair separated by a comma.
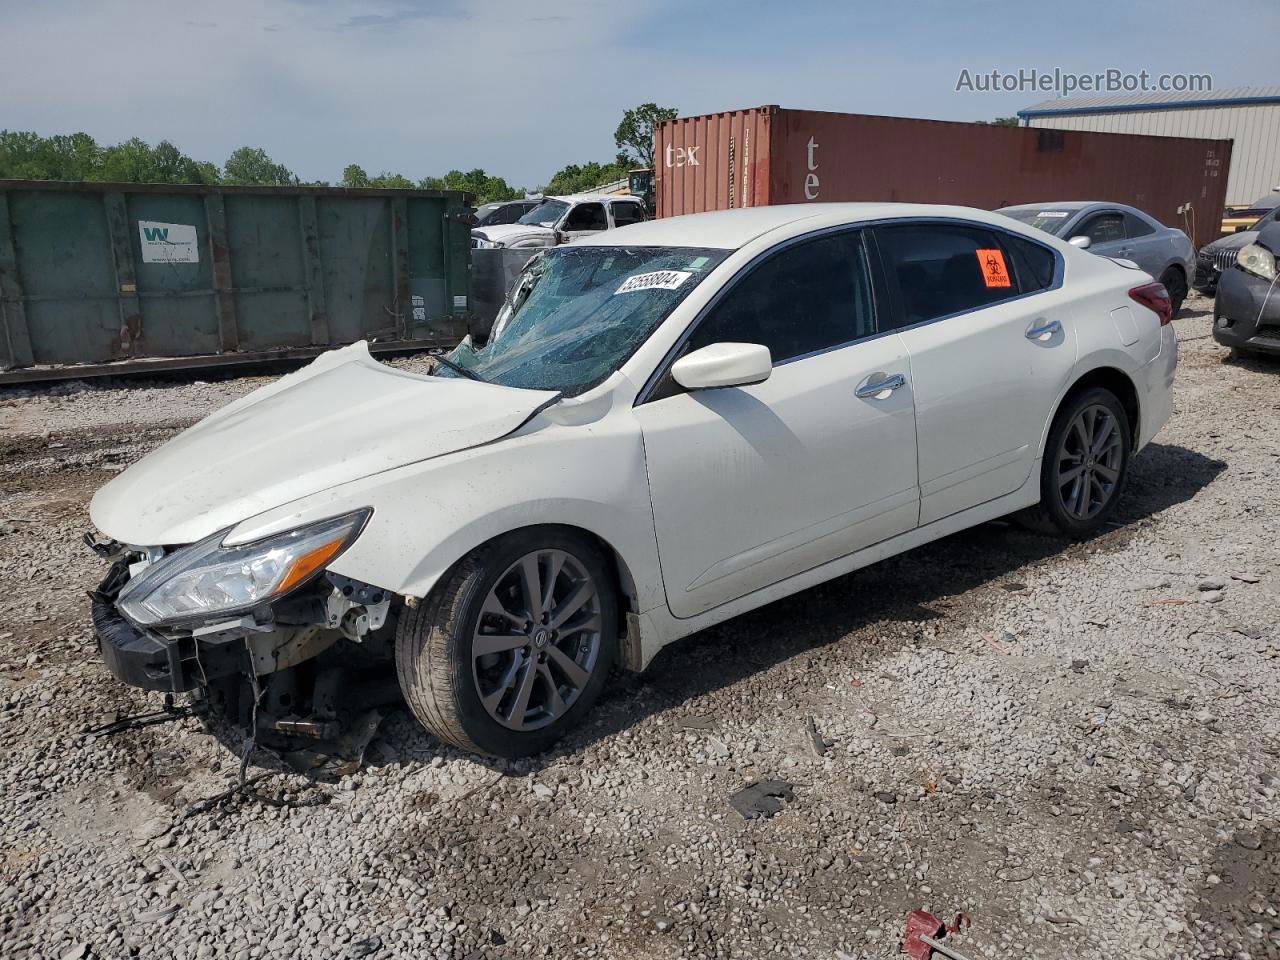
[(1075, 744)]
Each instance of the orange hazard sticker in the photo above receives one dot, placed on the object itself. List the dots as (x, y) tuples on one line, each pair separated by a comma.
[(994, 272)]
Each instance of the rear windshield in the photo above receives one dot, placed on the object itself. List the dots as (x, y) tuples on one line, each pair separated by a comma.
[(575, 314), (1042, 218)]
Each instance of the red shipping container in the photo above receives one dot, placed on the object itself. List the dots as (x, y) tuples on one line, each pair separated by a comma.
[(766, 155)]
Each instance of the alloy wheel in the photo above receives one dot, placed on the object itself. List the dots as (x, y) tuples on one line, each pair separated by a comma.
[(1089, 461), (537, 640)]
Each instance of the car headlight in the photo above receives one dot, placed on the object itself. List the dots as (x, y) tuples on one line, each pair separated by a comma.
[(1258, 260), (483, 244), (207, 579)]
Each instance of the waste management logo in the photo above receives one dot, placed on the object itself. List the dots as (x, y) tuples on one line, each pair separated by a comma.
[(168, 242)]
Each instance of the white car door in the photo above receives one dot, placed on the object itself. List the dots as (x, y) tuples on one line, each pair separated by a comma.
[(584, 219), (989, 333), (751, 485)]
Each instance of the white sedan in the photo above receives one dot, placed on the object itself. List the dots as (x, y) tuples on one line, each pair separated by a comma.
[(674, 423)]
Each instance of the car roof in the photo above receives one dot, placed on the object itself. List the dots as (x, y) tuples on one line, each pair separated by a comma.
[(591, 197), (1075, 206), (731, 229)]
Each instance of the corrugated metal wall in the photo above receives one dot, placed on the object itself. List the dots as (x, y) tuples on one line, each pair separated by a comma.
[(717, 161), (773, 155), (1255, 156), (97, 273)]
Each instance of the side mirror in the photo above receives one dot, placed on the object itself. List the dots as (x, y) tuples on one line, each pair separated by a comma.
[(1083, 242), (723, 365)]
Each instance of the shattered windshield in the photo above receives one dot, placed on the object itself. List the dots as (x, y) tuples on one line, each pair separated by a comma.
[(545, 214), (1048, 220), (576, 313)]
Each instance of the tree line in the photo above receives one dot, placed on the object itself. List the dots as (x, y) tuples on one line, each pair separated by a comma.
[(25, 155)]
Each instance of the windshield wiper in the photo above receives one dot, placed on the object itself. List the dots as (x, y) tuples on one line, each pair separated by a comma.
[(457, 368)]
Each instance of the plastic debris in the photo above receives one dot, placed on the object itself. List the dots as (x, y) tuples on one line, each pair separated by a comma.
[(761, 799), (924, 932)]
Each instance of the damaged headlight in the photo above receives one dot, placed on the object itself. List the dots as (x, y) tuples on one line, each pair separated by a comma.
[(1258, 260), (207, 579)]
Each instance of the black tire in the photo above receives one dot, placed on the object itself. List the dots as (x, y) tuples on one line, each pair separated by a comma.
[(1175, 282), (1052, 514), (434, 646)]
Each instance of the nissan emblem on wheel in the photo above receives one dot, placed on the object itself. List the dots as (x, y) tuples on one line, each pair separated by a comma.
[(670, 426)]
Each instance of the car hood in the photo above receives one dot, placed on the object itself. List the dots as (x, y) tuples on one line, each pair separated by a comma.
[(508, 233), (1232, 241), (342, 417)]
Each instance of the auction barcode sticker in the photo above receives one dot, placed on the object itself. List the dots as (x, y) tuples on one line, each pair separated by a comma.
[(657, 280)]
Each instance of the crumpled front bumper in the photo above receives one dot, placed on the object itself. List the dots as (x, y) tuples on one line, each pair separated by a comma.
[(1246, 313), (142, 659)]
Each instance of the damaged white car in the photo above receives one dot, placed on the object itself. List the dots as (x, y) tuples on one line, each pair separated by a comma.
[(675, 423)]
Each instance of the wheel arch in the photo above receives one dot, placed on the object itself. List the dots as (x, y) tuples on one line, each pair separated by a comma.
[(1109, 378), (623, 579)]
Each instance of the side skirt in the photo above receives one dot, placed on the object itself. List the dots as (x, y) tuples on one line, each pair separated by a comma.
[(658, 627)]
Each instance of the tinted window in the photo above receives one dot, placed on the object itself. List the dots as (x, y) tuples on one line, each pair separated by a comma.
[(1035, 265), (1102, 228), (809, 297), (625, 213), (942, 269), (1136, 226), (587, 216)]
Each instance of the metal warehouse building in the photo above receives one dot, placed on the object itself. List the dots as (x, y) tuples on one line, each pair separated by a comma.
[(1248, 115)]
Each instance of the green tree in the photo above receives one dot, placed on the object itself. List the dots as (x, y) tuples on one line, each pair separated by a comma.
[(482, 186), (251, 165), (1003, 122), (577, 178), (353, 176), (28, 156), (634, 135)]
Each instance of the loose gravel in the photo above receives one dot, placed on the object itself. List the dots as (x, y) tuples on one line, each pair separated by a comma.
[(1077, 745)]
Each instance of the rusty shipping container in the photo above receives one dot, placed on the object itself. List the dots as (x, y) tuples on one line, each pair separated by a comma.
[(768, 155), (112, 277)]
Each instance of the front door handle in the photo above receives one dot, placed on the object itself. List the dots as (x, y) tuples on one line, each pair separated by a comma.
[(880, 389), (1043, 329)]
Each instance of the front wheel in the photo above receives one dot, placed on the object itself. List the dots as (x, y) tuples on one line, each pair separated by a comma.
[(1086, 463), (514, 644)]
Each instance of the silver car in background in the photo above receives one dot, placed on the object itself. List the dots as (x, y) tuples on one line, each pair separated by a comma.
[(1120, 232)]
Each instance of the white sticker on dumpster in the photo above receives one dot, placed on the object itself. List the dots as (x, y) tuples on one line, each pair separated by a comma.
[(168, 242), (657, 280)]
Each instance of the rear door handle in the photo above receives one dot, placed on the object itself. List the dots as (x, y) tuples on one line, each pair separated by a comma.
[(1043, 329), (880, 389)]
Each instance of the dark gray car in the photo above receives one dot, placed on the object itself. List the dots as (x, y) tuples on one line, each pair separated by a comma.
[(1216, 257), (1120, 232), (1246, 313)]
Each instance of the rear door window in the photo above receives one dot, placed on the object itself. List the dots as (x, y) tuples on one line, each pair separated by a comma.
[(587, 216), (1137, 227), (941, 269), (625, 213)]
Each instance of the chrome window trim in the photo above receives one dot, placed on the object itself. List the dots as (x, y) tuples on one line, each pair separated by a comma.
[(660, 370)]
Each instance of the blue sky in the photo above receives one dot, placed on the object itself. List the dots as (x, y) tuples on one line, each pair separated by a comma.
[(522, 87)]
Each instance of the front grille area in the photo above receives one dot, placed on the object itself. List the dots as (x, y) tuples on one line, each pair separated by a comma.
[(1220, 259)]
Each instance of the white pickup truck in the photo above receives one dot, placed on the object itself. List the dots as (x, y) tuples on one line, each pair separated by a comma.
[(560, 219)]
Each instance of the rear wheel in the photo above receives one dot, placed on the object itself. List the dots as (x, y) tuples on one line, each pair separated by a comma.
[(1085, 466), (1176, 283), (513, 646)]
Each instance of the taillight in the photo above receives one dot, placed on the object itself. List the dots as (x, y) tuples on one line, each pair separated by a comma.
[(1155, 298)]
